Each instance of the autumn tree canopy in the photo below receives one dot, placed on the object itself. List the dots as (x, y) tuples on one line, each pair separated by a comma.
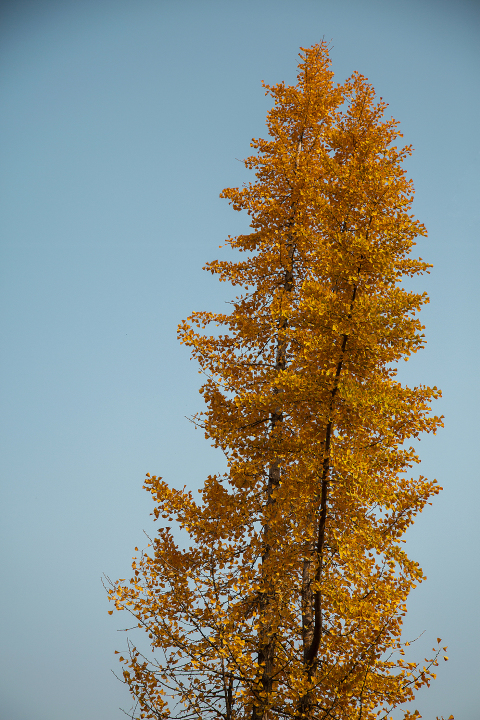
[(289, 601)]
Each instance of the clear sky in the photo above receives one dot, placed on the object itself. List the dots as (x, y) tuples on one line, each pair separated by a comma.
[(120, 123)]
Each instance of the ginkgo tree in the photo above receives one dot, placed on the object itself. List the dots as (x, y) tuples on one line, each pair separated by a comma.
[(289, 600)]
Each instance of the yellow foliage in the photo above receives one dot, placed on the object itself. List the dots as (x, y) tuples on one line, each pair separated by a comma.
[(290, 600)]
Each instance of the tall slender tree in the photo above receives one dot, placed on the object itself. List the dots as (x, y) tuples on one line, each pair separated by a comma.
[(289, 601)]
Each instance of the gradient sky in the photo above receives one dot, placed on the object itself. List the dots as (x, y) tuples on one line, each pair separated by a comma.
[(120, 124)]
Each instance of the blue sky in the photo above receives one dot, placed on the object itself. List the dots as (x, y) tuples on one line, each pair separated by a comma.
[(120, 124)]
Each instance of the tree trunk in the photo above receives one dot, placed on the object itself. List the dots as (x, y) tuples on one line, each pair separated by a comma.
[(267, 637), (312, 620)]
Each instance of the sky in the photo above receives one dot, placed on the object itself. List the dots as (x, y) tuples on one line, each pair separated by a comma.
[(120, 123)]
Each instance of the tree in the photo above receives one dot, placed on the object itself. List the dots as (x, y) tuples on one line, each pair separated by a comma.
[(289, 602)]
